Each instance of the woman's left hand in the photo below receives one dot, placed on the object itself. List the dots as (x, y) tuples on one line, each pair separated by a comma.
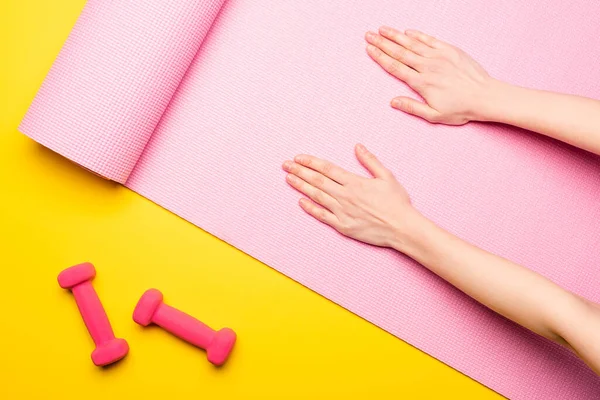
[(374, 210)]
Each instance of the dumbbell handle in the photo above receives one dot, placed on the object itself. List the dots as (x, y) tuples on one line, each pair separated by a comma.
[(183, 326), (93, 313)]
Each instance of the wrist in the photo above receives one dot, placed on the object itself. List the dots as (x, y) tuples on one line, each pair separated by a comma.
[(408, 234), (494, 101)]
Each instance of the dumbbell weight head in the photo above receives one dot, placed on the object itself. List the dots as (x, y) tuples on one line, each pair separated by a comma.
[(110, 352), (147, 306), (221, 346), (76, 274)]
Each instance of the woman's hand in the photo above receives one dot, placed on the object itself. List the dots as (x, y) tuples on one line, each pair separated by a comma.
[(456, 89), (373, 210)]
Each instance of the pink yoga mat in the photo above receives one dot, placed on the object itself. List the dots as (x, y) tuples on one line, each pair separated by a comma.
[(205, 136)]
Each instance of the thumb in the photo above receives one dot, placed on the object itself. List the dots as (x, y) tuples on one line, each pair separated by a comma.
[(414, 107), (371, 163)]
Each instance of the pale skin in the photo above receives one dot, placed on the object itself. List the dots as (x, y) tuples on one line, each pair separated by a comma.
[(377, 210)]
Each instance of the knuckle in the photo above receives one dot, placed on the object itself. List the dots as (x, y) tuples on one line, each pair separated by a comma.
[(343, 226), (318, 197), (376, 52), (452, 54), (319, 181), (294, 168), (348, 228), (393, 67), (399, 53), (321, 215), (392, 35), (419, 49), (439, 65), (434, 66), (426, 51), (352, 201), (412, 44), (430, 40), (355, 187), (309, 207), (428, 81), (401, 39)]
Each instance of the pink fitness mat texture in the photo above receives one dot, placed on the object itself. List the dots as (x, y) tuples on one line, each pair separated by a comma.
[(205, 137)]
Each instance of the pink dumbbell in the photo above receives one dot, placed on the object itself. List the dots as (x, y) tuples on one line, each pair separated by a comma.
[(151, 309), (79, 280)]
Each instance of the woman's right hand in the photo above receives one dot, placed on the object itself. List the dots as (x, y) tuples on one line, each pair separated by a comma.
[(455, 87)]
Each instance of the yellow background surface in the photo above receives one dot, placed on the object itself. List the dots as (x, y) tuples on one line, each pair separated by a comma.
[(292, 342)]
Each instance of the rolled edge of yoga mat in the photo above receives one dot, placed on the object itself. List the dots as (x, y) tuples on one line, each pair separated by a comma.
[(114, 78)]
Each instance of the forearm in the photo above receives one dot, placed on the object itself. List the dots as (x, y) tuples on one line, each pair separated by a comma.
[(507, 288), (571, 119), (511, 290), (378, 211)]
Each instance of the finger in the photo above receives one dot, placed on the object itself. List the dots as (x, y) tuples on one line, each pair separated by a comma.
[(405, 41), (395, 51), (424, 38), (393, 66), (371, 163), (326, 168), (414, 107), (316, 195), (312, 177), (319, 213)]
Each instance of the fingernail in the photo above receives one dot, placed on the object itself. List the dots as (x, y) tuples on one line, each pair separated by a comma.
[(371, 49), (396, 103), (361, 148), (385, 29), (287, 165), (299, 159), (370, 35), (291, 178)]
